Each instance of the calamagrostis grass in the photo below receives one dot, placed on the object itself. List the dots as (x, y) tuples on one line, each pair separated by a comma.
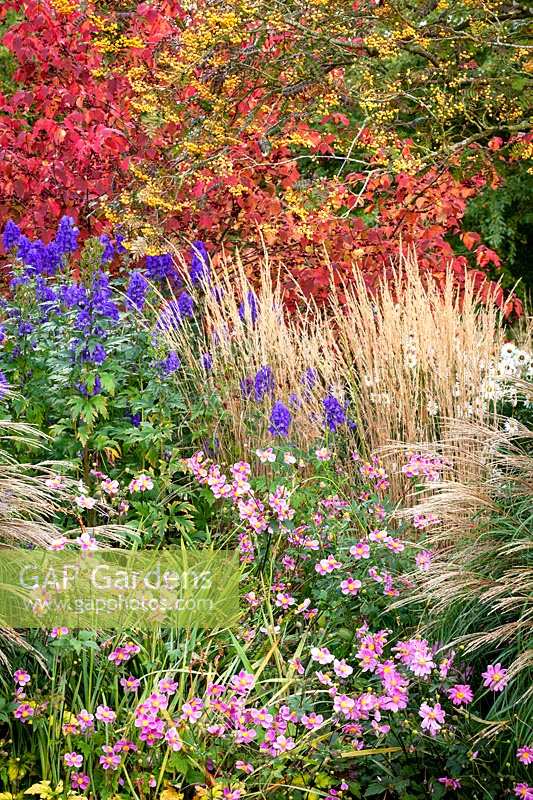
[(405, 356), (479, 589), (416, 352)]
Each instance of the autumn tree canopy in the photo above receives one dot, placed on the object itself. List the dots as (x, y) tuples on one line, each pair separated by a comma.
[(332, 133)]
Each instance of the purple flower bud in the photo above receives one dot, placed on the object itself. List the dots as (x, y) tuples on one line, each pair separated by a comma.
[(4, 384), (207, 362), (159, 267), (199, 271), (109, 250), (11, 235), (136, 291), (171, 363), (249, 309), (264, 383), (333, 412), (67, 234), (280, 420)]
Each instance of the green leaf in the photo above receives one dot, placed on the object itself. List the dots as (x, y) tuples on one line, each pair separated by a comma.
[(374, 789), (108, 382)]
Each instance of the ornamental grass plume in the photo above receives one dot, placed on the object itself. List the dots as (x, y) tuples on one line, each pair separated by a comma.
[(415, 352), (26, 507), (478, 588), (30, 499), (392, 363)]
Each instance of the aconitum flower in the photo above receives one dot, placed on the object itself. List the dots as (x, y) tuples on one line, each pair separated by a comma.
[(525, 755), (334, 414), (207, 361), (159, 267), (171, 363), (109, 250), (247, 387), (432, 718), (24, 246), (73, 760), (173, 313), (97, 355), (11, 235), (263, 383), (280, 420), (136, 291), (495, 677), (101, 293), (67, 235), (73, 295), (309, 378), (43, 259), (4, 385), (84, 390), (199, 271), (461, 694), (44, 294), (249, 308), (25, 328)]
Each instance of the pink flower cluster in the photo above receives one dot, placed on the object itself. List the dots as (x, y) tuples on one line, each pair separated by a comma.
[(142, 483), (424, 465), (416, 656), (375, 472), (279, 503), (249, 507), (123, 654), (421, 521)]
